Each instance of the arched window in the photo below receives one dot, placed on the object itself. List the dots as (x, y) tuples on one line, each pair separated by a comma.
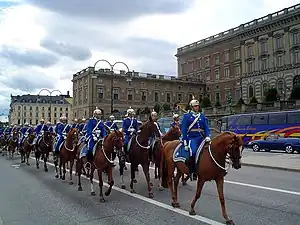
[(296, 82), (264, 89), (280, 86), (250, 91)]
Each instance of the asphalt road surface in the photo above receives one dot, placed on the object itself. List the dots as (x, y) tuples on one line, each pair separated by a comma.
[(253, 196)]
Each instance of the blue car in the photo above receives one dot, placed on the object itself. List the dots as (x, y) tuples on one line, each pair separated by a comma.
[(275, 142)]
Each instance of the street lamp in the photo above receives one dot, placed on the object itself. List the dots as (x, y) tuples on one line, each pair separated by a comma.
[(112, 79), (50, 92)]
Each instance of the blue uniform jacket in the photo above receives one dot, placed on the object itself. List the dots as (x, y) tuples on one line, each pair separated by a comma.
[(129, 123), (75, 125), (95, 125), (28, 130), (201, 123), (39, 128), (111, 125), (82, 127)]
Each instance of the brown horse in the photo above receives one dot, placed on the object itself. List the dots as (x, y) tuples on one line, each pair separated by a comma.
[(172, 134), (12, 144), (67, 153), (43, 148), (102, 162), (139, 155), (26, 148), (210, 166), (3, 144)]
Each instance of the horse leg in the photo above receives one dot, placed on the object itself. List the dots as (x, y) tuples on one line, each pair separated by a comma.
[(110, 181), (56, 165), (200, 183), (79, 169), (71, 172), (220, 187), (100, 186), (45, 155), (60, 167), (64, 169), (37, 158), (155, 171), (93, 193), (27, 154), (122, 164), (132, 173), (147, 175), (175, 193)]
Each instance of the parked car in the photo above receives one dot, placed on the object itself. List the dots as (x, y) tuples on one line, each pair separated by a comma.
[(119, 124), (275, 142)]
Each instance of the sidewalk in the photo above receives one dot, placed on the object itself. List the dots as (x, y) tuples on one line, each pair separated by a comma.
[(272, 160)]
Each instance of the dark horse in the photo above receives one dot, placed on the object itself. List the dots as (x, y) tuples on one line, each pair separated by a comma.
[(12, 144), (26, 148), (43, 148), (211, 166), (67, 153), (172, 134), (102, 162), (3, 143), (139, 155)]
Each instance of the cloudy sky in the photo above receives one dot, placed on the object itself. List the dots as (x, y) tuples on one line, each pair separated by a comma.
[(44, 42)]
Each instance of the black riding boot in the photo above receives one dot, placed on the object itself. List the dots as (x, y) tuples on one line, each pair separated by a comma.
[(192, 167)]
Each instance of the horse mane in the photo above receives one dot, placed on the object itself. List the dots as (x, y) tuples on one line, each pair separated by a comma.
[(219, 137)]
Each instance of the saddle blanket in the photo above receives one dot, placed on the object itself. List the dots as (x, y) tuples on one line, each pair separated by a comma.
[(85, 150), (181, 155)]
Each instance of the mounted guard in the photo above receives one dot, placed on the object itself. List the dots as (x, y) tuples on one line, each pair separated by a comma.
[(130, 127), (111, 125), (25, 131), (49, 127), (61, 130), (176, 120), (75, 123), (152, 140), (39, 131), (195, 132)]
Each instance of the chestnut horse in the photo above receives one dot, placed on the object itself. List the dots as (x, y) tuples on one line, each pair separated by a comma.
[(102, 162), (173, 134), (67, 153), (210, 166), (43, 148), (139, 153), (12, 144), (26, 148)]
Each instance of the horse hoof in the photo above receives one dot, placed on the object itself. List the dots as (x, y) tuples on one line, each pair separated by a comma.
[(37, 167), (155, 176), (46, 169), (80, 189), (192, 212), (132, 191), (125, 168), (160, 188), (71, 182), (107, 193), (102, 200), (135, 181), (184, 183), (123, 186), (28, 164), (150, 195), (93, 193), (56, 176), (63, 178), (151, 184), (230, 222)]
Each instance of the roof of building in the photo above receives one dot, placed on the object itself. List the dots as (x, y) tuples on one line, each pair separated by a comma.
[(42, 99)]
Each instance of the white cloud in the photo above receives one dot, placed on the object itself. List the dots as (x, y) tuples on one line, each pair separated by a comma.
[(47, 39)]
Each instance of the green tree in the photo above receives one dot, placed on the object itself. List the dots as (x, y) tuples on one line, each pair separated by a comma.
[(253, 100), (157, 107), (166, 107), (205, 102), (271, 95), (295, 95)]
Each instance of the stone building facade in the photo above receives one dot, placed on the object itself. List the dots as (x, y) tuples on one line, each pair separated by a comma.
[(248, 59), (91, 89)]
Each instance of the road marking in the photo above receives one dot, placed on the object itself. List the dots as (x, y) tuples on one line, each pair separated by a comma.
[(154, 202), (253, 186)]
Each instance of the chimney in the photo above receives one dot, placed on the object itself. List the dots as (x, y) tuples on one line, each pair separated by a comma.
[(68, 93)]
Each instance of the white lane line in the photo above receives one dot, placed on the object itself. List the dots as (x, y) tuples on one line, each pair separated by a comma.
[(253, 186), (151, 201)]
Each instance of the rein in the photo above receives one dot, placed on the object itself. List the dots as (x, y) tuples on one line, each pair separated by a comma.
[(215, 161), (65, 145)]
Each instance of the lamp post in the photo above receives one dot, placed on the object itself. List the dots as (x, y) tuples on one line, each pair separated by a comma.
[(50, 92), (112, 79)]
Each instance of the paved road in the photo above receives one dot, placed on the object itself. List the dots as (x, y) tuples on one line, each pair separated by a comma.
[(254, 196)]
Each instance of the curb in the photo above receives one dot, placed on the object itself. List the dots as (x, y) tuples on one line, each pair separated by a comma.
[(271, 167)]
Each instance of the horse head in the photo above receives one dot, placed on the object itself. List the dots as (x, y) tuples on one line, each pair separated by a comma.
[(234, 149), (72, 136), (47, 138), (115, 139), (30, 137), (173, 133), (150, 128)]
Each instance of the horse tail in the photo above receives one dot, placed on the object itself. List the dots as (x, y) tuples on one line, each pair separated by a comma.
[(164, 168)]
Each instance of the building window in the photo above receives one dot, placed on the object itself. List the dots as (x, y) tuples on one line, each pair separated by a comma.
[(250, 91), (19, 121), (30, 107), (36, 121), (226, 56), (295, 38), (36, 114), (129, 95), (296, 57), (264, 89), (217, 59), (179, 97), (226, 72), (263, 47), (197, 65), (116, 93), (144, 96), (24, 107), (217, 74), (280, 86), (237, 69), (264, 64), (278, 43), (237, 94), (207, 62), (156, 97), (217, 96), (279, 61), (250, 51), (228, 94), (168, 97), (55, 115), (296, 82), (19, 107), (101, 93), (250, 67), (237, 54), (19, 114), (207, 75)]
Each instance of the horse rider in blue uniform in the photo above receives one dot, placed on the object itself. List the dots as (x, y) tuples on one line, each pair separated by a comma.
[(176, 120), (130, 126), (154, 117), (111, 125), (195, 130), (61, 130), (82, 130), (25, 131), (49, 127), (39, 131), (75, 123), (95, 132)]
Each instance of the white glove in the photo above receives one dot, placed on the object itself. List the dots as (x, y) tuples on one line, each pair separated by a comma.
[(207, 139), (186, 147)]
